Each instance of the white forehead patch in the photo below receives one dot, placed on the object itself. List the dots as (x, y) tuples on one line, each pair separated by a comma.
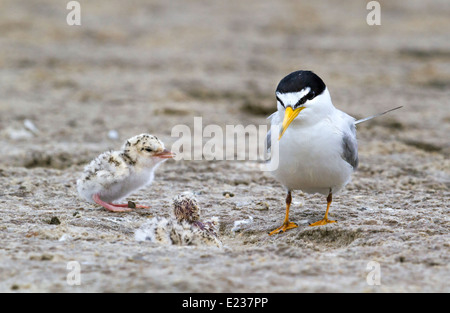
[(291, 98)]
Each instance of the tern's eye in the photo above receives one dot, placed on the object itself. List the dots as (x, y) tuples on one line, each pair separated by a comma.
[(301, 101), (148, 149)]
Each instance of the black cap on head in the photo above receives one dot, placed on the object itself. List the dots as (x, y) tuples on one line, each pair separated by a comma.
[(299, 80)]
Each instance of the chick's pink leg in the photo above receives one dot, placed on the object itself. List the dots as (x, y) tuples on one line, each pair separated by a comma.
[(109, 206), (126, 206)]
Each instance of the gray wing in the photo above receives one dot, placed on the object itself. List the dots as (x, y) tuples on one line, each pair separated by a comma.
[(268, 143), (269, 133), (268, 140), (350, 147)]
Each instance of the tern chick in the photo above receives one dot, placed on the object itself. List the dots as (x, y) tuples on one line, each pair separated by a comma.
[(114, 175), (183, 230)]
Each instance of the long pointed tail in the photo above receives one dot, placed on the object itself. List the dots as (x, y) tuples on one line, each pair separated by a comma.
[(373, 116)]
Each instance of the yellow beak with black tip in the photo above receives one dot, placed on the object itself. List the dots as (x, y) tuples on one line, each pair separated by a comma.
[(289, 116)]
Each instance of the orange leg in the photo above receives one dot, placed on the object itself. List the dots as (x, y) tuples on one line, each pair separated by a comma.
[(325, 220), (286, 224)]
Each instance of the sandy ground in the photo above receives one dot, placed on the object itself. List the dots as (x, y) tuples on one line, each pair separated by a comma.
[(146, 66)]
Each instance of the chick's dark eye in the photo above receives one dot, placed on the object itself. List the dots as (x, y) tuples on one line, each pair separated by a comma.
[(148, 149)]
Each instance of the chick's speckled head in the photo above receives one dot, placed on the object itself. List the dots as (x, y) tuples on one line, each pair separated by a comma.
[(146, 148), (186, 208)]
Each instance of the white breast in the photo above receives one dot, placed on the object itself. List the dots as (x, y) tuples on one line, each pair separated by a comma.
[(310, 158), (123, 188), (112, 181)]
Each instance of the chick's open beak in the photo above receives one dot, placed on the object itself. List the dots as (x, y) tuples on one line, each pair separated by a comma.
[(165, 154), (289, 116)]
